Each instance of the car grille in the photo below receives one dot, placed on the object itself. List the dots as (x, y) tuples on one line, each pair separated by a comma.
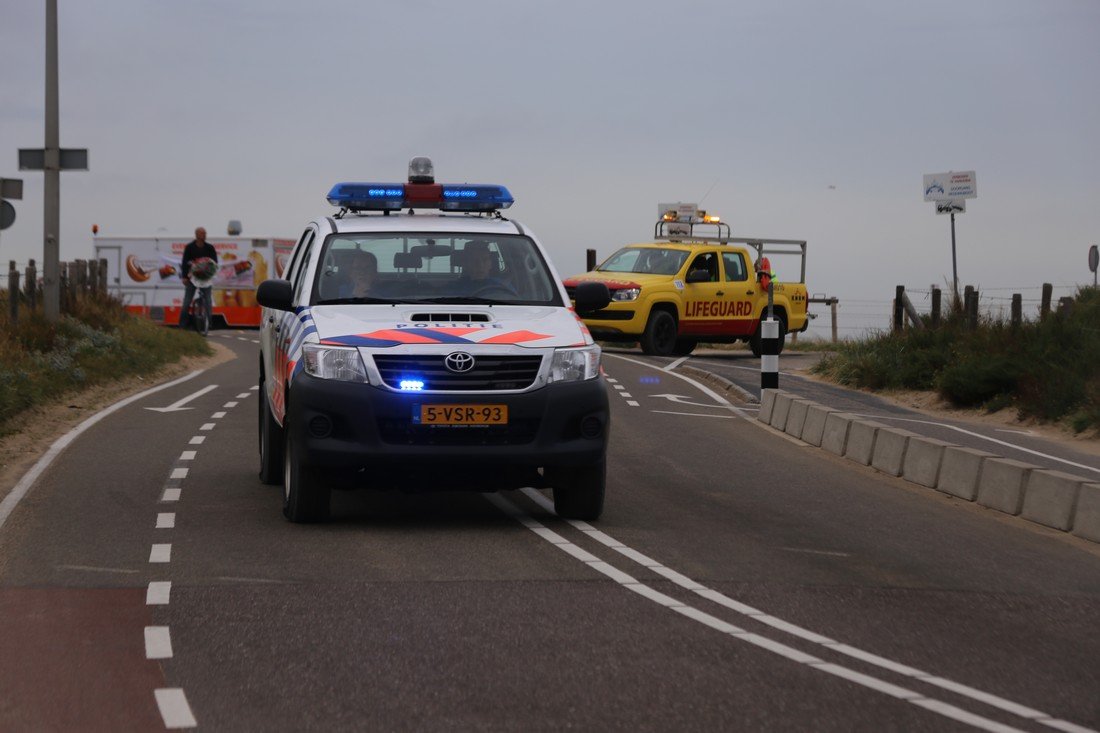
[(490, 373), (402, 432)]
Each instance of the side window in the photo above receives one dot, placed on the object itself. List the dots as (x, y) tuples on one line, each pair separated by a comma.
[(298, 280), (296, 257), (735, 266), (707, 261)]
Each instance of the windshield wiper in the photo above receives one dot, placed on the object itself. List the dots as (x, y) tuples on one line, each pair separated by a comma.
[(359, 300)]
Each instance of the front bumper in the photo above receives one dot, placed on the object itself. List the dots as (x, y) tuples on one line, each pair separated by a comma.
[(365, 433)]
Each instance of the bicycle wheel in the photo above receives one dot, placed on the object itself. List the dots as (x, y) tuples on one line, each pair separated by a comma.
[(201, 319)]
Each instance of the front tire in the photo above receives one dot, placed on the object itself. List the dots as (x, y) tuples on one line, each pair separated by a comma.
[(659, 338), (271, 444), (579, 492), (304, 498)]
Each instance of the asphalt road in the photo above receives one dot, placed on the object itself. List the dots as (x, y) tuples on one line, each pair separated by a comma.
[(737, 581)]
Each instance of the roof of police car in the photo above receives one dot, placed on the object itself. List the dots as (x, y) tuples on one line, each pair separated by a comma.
[(429, 222)]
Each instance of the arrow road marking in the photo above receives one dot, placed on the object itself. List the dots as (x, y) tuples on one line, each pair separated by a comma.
[(179, 405), (683, 400)]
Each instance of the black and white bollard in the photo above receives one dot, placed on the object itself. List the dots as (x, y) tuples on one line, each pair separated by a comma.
[(769, 354)]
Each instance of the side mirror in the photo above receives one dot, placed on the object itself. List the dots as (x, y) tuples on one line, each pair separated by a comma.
[(591, 296), (275, 294), (699, 276)]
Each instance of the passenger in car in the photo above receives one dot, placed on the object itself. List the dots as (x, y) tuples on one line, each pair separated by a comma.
[(362, 273)]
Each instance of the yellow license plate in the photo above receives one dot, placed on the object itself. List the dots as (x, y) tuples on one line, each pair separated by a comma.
[(463, 415)]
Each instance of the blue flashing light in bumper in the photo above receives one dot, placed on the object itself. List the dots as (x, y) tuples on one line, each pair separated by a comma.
[(411, 385)]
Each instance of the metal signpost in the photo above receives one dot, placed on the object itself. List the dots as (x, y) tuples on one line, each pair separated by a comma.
[(1094, 261), (949, 191), (10, 188)]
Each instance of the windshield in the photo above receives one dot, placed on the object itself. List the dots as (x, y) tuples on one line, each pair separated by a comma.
[(389, 267), (645, 260)]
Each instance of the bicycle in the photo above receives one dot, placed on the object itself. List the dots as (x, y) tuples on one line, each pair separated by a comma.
[(200, 304)]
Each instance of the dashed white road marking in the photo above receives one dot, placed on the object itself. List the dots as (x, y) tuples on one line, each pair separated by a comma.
[(619, 387), (166, 520), (91, 569), (816, 552), (161, 553), (158, 592), (218, 415), (207, 426), (625, 395), (197, 440), (171, 494), (242, 395), (254, 388), (229, 404), (632, 403), (178, 473), (187, 455), (158, 642), (174, 709)]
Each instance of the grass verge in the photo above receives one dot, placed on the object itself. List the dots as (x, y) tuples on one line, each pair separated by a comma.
[(94, 342), (1049, 369)]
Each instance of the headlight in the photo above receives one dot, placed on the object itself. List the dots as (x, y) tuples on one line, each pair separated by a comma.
[(626, 294), (333, 362), (574, 365)]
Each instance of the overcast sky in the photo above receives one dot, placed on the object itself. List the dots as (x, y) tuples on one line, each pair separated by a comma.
[(798, 120)]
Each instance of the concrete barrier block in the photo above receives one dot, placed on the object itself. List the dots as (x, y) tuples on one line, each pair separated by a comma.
[(922, 463), (814, 427), (781, 411), (767, 405), (891, 445), (861, 441), (960, 471), (1003, 483), (1086, 520), (835, 436), (1051, 498), (796, 418)]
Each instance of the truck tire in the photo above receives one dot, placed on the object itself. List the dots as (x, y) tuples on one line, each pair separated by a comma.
[(659, 338), (304, 498), (579, 492), (271, 443), (684, 347), (754, 340)]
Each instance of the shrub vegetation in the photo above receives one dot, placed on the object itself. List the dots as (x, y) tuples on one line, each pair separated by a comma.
[(94, 342), (1048, 369)]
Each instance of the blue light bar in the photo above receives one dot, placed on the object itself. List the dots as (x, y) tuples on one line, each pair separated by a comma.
[(475, 197), (368, 196), (394, 196)]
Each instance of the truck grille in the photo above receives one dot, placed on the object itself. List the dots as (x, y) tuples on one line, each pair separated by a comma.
[(490, 373)]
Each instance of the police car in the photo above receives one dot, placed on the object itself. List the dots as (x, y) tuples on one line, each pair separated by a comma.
[(422, 341), (694, 282)]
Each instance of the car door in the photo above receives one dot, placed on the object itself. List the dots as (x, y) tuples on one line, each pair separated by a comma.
[(739, 288), (703, 301), (279, 326)]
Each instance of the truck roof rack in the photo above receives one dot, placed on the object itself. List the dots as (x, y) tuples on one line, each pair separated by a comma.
[(678, 231)]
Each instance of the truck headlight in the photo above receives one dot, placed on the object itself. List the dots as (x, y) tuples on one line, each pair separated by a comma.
[(626, 294), (333, 362), (574, 365)]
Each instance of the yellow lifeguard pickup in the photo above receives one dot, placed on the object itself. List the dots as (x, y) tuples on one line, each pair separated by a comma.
[(694, 283)]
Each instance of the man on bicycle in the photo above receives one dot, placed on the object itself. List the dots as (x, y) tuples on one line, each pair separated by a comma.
[(196, 248)]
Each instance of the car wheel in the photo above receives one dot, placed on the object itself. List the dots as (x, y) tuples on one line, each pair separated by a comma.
[(579, 492), (659, 338), (754, 340), (271, 444), (684, 347), (304, 498)]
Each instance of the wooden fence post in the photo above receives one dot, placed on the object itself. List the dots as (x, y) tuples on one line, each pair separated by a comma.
[(81, 278), (13, 292), (103, 275), (937, 299), (972, 308), (899, 309), (590, 260), (1044, 309), (1017, 310), (832, 309), (1065, 306), (31, 285)]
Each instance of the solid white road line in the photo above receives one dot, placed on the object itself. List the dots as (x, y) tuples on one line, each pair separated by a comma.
[(158, 592), (7, 506), (158, 642), (694, 414), (797, 631), (174, 709), (718, 624), (160, 553), (166, 520)]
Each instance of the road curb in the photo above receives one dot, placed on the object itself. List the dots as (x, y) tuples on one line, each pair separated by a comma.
[(1053, 499)]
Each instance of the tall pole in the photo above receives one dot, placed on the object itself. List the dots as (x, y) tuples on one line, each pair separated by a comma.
[(954, 262), (51, 293)]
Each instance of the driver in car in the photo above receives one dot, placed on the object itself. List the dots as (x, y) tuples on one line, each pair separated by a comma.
[(477, 272)]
